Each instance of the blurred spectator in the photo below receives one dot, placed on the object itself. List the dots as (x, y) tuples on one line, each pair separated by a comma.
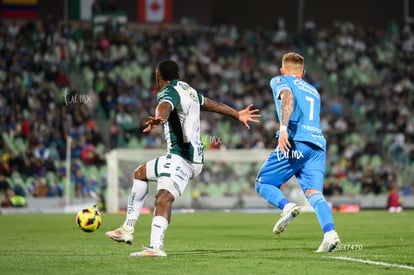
[(92, 188), (18, 190), (58, 189), (41, 152), (394, 201), (80, 184), (114, 132), (41, 188), (332, 188), (16, 195), (4, 189), (354, 172), (368, 182)]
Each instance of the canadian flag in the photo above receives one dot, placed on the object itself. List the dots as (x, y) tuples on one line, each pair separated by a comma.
[(154, 10)]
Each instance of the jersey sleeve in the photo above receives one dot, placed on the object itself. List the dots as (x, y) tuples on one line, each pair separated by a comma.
[(170, 95), (200, 98), (279, 84)]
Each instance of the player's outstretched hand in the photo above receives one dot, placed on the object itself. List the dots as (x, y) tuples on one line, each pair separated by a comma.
[(153, 122), (246, 115)]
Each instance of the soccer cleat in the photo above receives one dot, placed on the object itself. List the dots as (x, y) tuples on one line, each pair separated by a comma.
[(149, 252), (330, 242), (123, 234), (290, 211)]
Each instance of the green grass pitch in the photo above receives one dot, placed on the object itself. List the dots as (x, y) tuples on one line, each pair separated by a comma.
[(210, 243)]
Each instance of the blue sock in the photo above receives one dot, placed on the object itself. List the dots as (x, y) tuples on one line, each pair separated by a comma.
[(323, 211), (272, 195)]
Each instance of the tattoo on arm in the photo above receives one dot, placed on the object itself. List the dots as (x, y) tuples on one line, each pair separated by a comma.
[(286, 106)]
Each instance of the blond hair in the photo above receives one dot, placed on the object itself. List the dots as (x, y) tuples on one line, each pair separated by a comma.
[(293, 63)]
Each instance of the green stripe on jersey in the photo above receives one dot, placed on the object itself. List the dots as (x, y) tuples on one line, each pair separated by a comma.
[(182, 130)]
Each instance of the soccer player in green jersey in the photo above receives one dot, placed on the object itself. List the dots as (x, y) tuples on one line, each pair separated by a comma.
[(178, 110)]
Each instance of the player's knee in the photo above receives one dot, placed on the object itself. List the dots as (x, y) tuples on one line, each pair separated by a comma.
[(140, 173), (163, 198)]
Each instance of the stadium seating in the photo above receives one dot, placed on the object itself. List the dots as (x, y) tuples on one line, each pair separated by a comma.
[(119, 82)]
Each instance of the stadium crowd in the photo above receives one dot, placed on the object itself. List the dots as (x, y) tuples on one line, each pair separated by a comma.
[(367, 113)]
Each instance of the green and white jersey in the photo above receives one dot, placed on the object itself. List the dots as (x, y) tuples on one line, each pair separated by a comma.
[(182, 130)]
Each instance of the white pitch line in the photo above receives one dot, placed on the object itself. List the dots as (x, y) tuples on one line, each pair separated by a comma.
[(373, 262)]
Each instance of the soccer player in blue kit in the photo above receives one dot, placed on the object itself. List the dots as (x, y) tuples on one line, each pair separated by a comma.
[(301, 150)]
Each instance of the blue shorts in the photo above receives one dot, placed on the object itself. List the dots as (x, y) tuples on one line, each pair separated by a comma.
[(304, 160)]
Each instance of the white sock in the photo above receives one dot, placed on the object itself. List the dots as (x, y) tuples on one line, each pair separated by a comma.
[(158, 228), (136, 200), (288, 204), (330, 233)]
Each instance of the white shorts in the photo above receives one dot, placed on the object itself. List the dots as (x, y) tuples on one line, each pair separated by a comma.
[(172, 172)]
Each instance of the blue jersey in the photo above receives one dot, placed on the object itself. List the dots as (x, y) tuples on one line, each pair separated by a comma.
[(304, 123)]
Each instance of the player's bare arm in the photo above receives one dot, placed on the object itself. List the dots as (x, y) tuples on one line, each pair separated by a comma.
[(286, 106), (162, 112), (244, 116)]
